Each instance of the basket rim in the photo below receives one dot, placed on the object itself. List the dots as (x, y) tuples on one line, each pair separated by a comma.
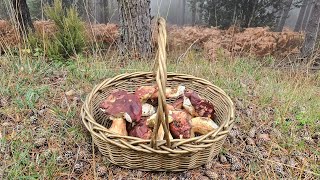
[(104, 134)]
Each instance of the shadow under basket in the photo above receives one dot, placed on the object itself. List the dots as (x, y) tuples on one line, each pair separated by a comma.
[(135, 153)]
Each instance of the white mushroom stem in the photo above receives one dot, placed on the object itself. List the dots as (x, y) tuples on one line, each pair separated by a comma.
[(203, 125), (188, 106), (160, 135), (118, 126)]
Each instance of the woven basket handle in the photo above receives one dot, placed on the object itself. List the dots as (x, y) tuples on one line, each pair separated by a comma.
[(161, 79)]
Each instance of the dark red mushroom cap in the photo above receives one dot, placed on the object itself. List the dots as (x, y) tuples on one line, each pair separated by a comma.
[(140, 130), (145, 92), (181, 124), (202, 107), (120, 103)]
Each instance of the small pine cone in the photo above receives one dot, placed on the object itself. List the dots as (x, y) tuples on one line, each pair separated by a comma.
[(250, 148), (102, 171), (234, 132), (209, 164), (60, 160), (231, 158), (278, 168), (33, 120), (211, 174), (82, 154), (264, 153), (55, 128), (252, 132), (222, 158), (47, 154), (68, 154), (250, 141), (237, 166), (40, 142), (78, 167), (246, 160), (232, 139)]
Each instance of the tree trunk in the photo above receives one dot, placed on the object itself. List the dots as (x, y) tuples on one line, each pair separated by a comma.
[(301, 15), (311, 31), (22, 17), (285, 14), (105, 11), (307, 15), (135, 28), (193, 11), (183, 11)]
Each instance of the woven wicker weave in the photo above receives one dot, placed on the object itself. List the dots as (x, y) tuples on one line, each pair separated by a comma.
[(157, 155)]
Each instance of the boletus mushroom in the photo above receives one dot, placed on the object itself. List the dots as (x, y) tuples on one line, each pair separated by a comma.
[(203, 108), (187, 105), (118, 126), (174, 92), (145, 92), (140, 130), (203, 125), (121, 104), (181, 125), (178, 103), (151, 121)]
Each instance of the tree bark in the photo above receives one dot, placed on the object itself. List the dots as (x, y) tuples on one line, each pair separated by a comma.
[(307, 15), (311, 31), (183, 11), (135, 28), (284, 16), (105, 11), (193, 11), (302, 13), (22, 17)]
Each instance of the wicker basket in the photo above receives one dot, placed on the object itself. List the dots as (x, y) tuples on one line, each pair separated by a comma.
[(157, 155)]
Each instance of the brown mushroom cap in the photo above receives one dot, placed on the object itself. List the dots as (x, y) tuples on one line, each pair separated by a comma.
[(120, 103), (140, 130), (177, 104), (181, 125), (171, 92), (202, 107), (145, 92)]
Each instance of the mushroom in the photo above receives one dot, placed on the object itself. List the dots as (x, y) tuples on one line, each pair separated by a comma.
[(188, 106), (203, 108), (148, 109), (145, 92), (171, 92), (151, 121), (160, 135), (177, 104), (203, 125), (181, 125), (175, 92), (170, 107), (121, 104), (140, 130), (118, 126)]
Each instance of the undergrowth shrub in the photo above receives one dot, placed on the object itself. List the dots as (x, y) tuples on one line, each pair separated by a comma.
[(70, 38)]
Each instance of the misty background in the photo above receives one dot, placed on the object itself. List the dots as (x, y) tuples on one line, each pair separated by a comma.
[(176, 12)]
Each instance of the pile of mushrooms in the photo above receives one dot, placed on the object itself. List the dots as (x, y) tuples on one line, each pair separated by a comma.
[(134, 114)]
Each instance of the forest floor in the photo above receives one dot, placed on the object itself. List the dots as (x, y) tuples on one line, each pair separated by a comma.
[(276, 134)]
